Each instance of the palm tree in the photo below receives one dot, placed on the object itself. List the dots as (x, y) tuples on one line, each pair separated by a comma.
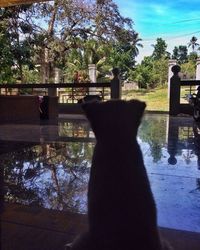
[(137, 43), (193, 43)]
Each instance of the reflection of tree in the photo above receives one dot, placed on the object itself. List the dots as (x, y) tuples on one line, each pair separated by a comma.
[(1, 190), (73, 159), (153, 132), (15, 174), (53, 175)]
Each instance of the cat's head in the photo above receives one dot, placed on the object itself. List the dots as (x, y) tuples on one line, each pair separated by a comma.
[(114, 119)]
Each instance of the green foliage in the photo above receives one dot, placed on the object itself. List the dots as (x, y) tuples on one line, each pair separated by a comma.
[(189, 69), (154, 134), (16, 43), (160, 49), (6, 56), (123, 57), (150, 73), (160, 72), (31, 75), (193, 57), (153, 70), (142, 75), (72, 34), (188, 64), (68, 35), (180, 54)]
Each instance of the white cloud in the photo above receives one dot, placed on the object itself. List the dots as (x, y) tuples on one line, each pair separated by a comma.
[(159, 9)]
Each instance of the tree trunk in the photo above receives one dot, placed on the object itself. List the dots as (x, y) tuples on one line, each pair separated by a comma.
[(46, 67), (19, 61)]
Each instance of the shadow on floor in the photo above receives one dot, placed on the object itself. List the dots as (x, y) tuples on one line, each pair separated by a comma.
[(29, 228)]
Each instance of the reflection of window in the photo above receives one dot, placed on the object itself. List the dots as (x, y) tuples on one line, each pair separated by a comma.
[(187, 154), (186, 137), (185, 133), (74, 129)]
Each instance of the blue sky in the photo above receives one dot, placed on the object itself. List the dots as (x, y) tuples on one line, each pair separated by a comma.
[(175, 21)]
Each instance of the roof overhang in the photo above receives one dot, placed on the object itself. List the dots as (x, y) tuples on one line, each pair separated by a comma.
[(7, 3)]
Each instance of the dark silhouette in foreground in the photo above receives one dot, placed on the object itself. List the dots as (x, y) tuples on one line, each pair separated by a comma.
[(115, 84), (121, 208)]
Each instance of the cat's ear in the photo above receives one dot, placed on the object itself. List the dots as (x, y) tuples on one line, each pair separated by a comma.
[(138, 107)]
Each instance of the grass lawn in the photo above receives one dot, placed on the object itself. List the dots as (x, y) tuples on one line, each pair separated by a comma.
[(155, 99)]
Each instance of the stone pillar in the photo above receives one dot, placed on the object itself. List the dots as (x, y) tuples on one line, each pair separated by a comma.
[(198, 69), (92, 72), (57, 79), (92, 77), (57, 75), (53, 91), (171, 63), (175, 85)]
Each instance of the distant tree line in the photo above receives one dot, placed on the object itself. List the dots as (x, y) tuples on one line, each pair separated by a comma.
[(153, 70), (70, 34)]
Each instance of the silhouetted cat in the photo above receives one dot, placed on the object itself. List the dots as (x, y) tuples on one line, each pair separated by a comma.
[(121, 208)]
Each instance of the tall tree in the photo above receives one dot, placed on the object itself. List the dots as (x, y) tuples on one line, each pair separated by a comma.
[(122, 56), (6, 57), (17, 36), (77, 20), (180, 54), (150, 73), (46, 33), (160, 49)]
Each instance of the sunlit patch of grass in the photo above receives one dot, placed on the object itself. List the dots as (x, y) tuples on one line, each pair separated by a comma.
[(156, 99)]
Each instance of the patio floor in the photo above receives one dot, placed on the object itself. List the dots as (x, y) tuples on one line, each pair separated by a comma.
[(44, 203)]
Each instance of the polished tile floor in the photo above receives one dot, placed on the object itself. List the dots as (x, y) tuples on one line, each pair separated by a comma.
[(47, 167)]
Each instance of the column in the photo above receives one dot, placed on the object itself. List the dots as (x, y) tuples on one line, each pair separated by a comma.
[(57, 79), (175, 85), (92, 72), (171, 63), (92, 77)]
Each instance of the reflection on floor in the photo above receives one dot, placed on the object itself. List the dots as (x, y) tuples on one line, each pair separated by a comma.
[(45, 169)]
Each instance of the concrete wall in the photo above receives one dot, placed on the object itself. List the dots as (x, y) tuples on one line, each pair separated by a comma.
[(19, 109), (25, 109)]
